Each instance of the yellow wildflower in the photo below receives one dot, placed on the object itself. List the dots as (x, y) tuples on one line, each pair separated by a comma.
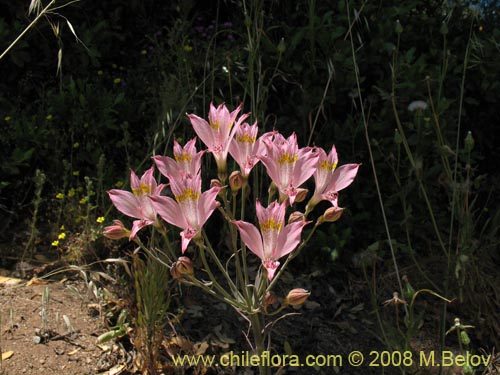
[(61, 236), (100, 219), (55, 243), (60, 196)]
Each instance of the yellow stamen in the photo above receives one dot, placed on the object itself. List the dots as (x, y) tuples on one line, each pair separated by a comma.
[(187, 194), (143, 190), (215, 125), (328, 166), (183, 157), (245, 138), (271, 224), (287, 158)]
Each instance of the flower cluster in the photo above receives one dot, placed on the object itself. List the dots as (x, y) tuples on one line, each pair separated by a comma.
[(188, 208)]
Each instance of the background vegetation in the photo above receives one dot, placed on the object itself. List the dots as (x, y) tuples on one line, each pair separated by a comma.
[(123, 87)]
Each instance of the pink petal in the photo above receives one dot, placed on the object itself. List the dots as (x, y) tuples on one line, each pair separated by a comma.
[(166, 165), (271, 266), (289, 238), (135, 183), (272, 168), (125, 202), (186, 236), (343, 177), (251, 237), (137, 226), (305, 166), (169, 210), (148, 180), (207, 204), (203, 130)]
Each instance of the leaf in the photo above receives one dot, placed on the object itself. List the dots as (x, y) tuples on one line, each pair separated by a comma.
[(9, 281), (72, 29), (7, 355), (287, 348)]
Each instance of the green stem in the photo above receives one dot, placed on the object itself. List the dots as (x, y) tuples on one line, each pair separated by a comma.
[(258, 337), (372, 161), (20, 36)]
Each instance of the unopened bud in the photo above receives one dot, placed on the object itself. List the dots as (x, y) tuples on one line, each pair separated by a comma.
[(331, 214), (236, 181), (296, 216), (116, 231), (464, 337), (297, 297), (182, 268), (301, 195), (270, 299), (469, 142), (397, 137), (215, 183), (281, 46), (398, 28)]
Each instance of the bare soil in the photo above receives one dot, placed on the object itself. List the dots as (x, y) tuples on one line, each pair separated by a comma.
[(53, 337)]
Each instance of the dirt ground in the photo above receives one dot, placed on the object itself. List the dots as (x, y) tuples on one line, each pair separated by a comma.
[(51, 327), (51, 334)]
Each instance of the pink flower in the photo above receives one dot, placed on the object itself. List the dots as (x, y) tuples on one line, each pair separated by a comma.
[(137, 204), (186, 160), (116, 231), (329, 179), (245, 146), (288, 166), (275, 239), (218, 132), (190, 209)]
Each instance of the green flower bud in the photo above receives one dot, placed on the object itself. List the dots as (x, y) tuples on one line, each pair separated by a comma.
[(397, 137), (281, 46), (464, 337), (398, 28), (469, 142)]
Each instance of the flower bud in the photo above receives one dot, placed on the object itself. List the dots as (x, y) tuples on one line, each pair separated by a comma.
[(398, 28), (464, 337), (297, 297), (236, 181), (397, 137), (182, 268), (331, 214), (281, 46), (116, 231), (215, 183), (301, 195), (270, 299), (296, 216), (469, 142)]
